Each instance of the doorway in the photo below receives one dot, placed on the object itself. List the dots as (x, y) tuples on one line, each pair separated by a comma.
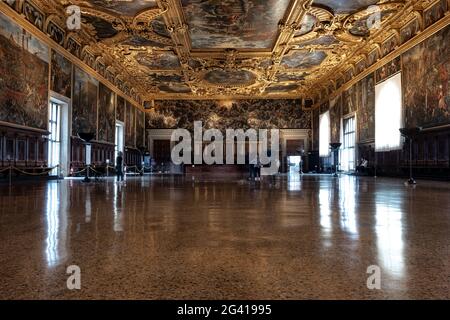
[(294, 164)]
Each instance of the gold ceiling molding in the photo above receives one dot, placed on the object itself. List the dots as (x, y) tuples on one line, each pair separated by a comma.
[(373, 45), (436, 27), (154, 47), (71, 43)]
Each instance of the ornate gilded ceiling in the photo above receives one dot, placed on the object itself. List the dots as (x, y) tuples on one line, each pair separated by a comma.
[(209, 49)]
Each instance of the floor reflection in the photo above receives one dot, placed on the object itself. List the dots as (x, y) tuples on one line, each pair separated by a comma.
[(389, 232), (348, 205), (56, 219), (173, 238)]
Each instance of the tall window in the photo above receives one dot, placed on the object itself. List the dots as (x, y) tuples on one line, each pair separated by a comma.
[(324, 134), (54, 142), (348, 154), (119, 140), (388, 114)]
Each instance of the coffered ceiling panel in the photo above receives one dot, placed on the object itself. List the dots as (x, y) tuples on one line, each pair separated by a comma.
[(345, 6), (214, 49), (240, 24), (129, 8)]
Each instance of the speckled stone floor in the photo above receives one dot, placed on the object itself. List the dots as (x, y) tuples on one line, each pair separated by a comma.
[(179, 238)]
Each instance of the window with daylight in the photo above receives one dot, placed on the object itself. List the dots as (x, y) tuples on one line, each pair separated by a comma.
[(324, 134), (54, 140), (348, 154), (388, 114)]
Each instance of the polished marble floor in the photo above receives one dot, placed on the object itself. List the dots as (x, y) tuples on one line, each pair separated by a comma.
[(225, 238)]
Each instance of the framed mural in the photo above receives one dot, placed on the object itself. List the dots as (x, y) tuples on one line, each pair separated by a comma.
[(140, 128), (350, 100), (232, 24), (120, 109), (224, 114), (84, 102), (426, 81), (435, 13), (335, 119), (366, 110), (410, 30), (315, 125), (130, 125), (24, 68), (107, 114), (388, 70), (61, 75)]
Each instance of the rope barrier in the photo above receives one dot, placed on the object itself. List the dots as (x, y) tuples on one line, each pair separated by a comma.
[(45, 172), (6, 169), (78, 172)]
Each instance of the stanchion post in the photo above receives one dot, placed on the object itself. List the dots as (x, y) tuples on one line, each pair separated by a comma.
[(10, 175)]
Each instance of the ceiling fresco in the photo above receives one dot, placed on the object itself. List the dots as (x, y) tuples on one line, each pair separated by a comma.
[(303, 59), (345, 6), (234, 24), (231, 49), (121, 7)]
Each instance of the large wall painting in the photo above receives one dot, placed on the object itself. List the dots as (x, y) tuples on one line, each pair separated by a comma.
[(234, 24), (24, 67), (106, 114), (120, 109), (315, 125), (130, 125), (388, 70), (140, 128), (335, 119), (426, 81), (366, 110), (84, 103), (218, 114), (350, 100), (61, 75)]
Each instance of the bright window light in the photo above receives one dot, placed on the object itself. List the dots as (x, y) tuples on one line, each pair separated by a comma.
[(324, 134), (388, 114)]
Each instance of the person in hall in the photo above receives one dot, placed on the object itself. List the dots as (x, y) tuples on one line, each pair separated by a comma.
[(119, 166), (361, 168)]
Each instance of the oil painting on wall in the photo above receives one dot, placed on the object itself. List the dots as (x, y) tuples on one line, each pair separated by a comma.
[(24, 67), (130, 125), (61, 75), (84, 102), (120, 109), (366, 109), (223, 114), (140, 128), (106, 111), (234, 24), (350, 100), (315, 125), (388, 70), (335, 118), (426, 81)]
